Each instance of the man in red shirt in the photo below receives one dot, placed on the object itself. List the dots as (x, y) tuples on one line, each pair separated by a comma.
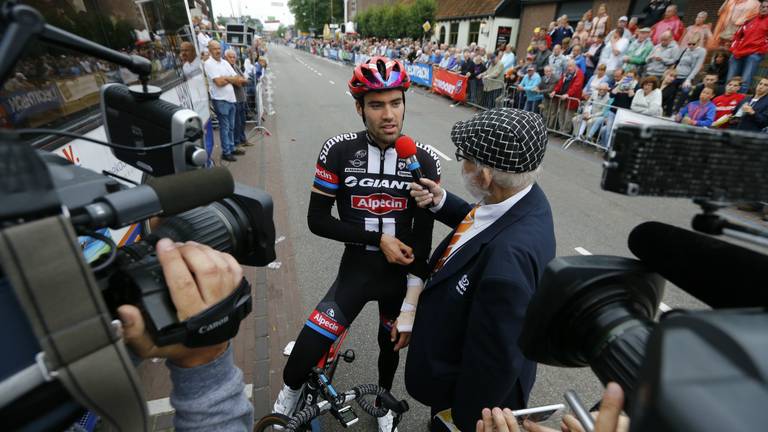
[(749, 46), (671, 23), (726, 103), (565, 97)]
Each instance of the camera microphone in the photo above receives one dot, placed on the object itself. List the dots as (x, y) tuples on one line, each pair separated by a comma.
[(167, 195), (718, 273)]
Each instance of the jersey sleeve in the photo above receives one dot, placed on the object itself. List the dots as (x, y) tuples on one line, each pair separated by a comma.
[(327, 169), (429, 161)]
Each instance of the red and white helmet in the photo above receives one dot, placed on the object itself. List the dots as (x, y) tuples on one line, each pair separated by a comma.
[(378, 74)]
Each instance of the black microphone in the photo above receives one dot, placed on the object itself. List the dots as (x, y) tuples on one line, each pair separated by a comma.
[(720, 274), (165, 195), (406, 149)]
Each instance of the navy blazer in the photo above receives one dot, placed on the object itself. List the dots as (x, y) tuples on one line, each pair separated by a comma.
[(464, 353), (758, 120)]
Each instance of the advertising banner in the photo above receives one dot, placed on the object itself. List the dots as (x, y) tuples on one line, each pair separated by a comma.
[(361, 58), (420, 73), (450, 84), (333, 54), (20, 105)]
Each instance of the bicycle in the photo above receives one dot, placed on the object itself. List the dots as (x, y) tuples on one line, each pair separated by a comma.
[(319, 397)]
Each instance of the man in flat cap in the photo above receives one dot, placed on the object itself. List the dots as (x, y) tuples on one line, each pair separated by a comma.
[(464, 354)]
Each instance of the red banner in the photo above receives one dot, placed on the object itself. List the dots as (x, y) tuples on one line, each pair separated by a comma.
[(450, 84)]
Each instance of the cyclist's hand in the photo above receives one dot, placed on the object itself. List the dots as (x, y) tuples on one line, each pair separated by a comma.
[(395, 251), (426, 192), (197, 277), (403, 340)]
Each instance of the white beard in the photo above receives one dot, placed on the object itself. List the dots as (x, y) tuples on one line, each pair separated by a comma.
[(470, 184)]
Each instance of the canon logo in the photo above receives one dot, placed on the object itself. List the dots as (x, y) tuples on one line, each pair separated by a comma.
[(379, 204), (377, 183), (213, 326)]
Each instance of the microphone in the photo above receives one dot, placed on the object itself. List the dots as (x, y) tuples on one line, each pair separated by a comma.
[(720, 274), (406, 149), (165, 195)]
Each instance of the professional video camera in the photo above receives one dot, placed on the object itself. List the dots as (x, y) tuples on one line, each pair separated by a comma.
[(64, 349), (693, 370)]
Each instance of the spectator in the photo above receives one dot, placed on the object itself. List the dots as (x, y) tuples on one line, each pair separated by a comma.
[(632, 26), (638, 50), (700, 29), (647, 99), (732, 15), (190, 63), (726, 103), (436, 57), (541, 58), (241, 103), (622, 92), (221, 78), (753, 112), (621, 28), (530, 85), (475, 86), (203, 39), (719, 66), (562, 31), (668, 92), (613, 54), (581, 32), (601, 22), (688, 66), (663, 55), (699, 113), (567, 90), (508, 59), (458, 61), (493, 81), (750, 44), (594, 82), (579, 58), (593, 55), (557, 61), (710, 80), (546, 87), (591, 117), (566, 46), (654, 11), (671, 23), (587, 20), (423, 56), (466, 63)]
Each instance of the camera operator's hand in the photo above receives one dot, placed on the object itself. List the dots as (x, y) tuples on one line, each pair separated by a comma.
[(198, 277)]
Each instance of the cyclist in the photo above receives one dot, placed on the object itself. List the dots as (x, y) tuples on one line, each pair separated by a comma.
[(387, 237)]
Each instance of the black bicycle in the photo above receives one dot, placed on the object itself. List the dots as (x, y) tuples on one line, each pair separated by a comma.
[(319, 397)]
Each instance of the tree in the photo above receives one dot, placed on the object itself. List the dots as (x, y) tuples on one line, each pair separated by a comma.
[(316, 13), (281, 31), (396, 21)]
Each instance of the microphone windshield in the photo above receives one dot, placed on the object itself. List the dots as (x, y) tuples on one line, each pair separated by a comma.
[(405, 147), (181, 192)]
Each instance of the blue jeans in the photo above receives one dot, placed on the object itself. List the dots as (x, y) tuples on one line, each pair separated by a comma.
[(607, 129), (532, 105), (240, 110), (225, 112), (744, 67)]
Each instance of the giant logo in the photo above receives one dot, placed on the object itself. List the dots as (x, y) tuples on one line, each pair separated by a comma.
[(377, 183), (379, 204)]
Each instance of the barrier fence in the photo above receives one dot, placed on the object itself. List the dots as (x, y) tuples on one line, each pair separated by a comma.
[(575, 120)]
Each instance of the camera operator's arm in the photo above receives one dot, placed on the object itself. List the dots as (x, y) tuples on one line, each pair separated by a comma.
[(208, 389)]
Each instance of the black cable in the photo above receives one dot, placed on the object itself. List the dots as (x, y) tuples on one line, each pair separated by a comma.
[(112, 249), (40, 131)]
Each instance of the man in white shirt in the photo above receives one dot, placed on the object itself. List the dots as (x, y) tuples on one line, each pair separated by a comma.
[(190, 63), (221, 78)]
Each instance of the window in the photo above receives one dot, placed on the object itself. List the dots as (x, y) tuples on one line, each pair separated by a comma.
[(574, 10), (639, 5), (442, 35), (56, 88), (474, 32), (453, 37)]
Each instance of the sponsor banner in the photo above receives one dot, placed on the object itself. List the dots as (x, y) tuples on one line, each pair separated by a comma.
[(333, 54), (450, 84), (379, 204), (420, 73), (22, 104), (361, 58), (74, 89)]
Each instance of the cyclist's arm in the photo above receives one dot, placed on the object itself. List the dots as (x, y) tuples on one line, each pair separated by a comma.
[(322, 223), (210, 397)]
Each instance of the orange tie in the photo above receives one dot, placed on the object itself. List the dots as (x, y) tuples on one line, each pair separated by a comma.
[(463, 227)]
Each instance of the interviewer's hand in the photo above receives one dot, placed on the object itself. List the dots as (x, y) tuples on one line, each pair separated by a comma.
[(198, 277), (395, 251), (426, 192)]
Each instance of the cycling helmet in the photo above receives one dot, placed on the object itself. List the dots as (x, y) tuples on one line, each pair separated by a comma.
[(377, 74)]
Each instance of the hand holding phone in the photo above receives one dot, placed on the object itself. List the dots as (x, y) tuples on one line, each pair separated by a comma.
[(537, 414)]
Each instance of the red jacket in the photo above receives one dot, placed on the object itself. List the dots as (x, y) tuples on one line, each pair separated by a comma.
[(725, 104), (751, 38), (574, 90)]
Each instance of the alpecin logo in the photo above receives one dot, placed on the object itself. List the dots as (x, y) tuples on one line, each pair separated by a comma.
[(324, 174), (326, 323), (379, 204)]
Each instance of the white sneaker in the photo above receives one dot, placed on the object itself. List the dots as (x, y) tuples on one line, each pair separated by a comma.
[(385, 423), (286, 401)]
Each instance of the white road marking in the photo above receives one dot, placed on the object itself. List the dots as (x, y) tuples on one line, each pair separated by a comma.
[(582, 251), (452, 106), (331, 82), (163, 406), (318, 73), (348, 93)]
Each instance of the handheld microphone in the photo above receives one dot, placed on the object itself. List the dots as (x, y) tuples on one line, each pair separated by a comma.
[(718, 273), (406, 149), (166, 195)]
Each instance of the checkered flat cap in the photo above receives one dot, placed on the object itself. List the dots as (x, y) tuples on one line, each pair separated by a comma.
[(506, 139)]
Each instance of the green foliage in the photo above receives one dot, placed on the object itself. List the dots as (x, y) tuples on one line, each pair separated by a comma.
[(316, 14), (396, 21), (281, 31)]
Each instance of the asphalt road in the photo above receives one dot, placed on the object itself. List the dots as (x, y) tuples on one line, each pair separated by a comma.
[(311, 104)]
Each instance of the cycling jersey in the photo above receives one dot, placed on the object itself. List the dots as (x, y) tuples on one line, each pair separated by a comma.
[(371, 186)]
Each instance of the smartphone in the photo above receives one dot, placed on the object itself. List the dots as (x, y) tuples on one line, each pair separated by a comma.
[(537, 414)]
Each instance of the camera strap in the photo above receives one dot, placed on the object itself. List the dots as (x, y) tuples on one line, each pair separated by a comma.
[(57, 290)]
